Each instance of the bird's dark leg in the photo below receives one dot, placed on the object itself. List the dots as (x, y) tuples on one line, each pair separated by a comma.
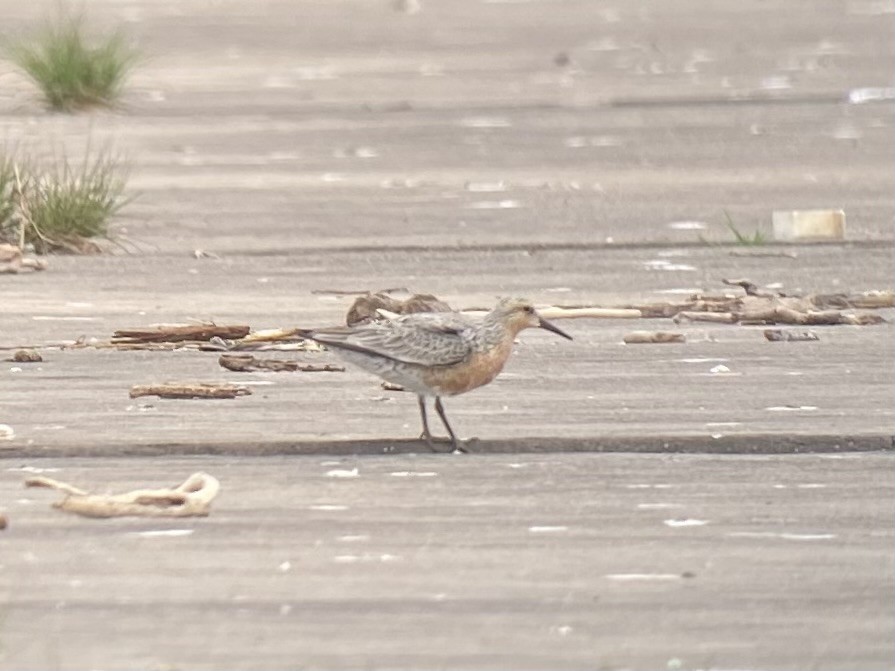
[(440, 408), (425, 435)]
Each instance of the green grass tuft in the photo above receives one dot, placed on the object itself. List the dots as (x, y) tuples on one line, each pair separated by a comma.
[(65, 207), (72, 73), (756, 239)]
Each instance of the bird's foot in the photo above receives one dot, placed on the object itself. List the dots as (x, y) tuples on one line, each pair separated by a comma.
[(431, 441)]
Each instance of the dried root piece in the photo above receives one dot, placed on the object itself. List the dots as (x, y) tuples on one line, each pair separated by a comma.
[(714, 317), (391, 386), (645, 337), (191, 499), (780, 314), (366, 308), (868, 300), (246, 363), (178, 333), (590, 313), (282, 339), (790, 335), (189, 390)]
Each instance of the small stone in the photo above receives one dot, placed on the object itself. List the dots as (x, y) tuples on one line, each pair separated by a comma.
[(26, 356)]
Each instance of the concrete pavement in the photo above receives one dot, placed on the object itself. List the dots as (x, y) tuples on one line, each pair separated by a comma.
[(571, 152), (462, 562)]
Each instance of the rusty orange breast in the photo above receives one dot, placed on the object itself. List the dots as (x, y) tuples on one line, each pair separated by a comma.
[(478, 370)]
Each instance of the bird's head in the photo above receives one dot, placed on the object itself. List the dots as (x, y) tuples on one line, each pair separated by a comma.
[(518, 314)]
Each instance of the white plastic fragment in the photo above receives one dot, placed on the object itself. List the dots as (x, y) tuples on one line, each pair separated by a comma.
[(366, 558), (343, 473), (643, 576), (495, 205), (870, 94), (688, 225), (163, 533), (791, 408), (784, 536), (808, 224), (685, 523), (485, 122)]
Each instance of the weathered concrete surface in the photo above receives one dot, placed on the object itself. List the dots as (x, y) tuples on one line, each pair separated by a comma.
[(592, 393), (322, 145), (502, 562), (280, 127)]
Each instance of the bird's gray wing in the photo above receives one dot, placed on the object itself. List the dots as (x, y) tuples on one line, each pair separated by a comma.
[(428, 339)]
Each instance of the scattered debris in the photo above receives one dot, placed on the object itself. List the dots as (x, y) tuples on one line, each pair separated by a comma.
[(391, 386), (715, 317), (644, 337), (762, 306), (246, 363), (191, 499), (25, 356), (366, 308), (202, 254), (867, 300), (789, 335), (4, 522), (13, 260), (171, 333), (288, 337), (750, 288), (189, 390), (6, 432)]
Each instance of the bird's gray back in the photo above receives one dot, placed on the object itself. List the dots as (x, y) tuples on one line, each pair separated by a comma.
[(426, 339)]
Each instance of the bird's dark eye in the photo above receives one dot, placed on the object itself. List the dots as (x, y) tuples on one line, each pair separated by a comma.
[(529, 310)]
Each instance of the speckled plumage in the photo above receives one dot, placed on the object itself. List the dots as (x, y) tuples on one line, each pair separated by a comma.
[(435, 354)]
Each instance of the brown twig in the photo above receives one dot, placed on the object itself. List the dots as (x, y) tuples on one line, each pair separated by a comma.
[(246, 363), (189, 390), (178, 333)]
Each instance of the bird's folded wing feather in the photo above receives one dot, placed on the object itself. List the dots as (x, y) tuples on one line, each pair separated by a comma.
[(426, 339)]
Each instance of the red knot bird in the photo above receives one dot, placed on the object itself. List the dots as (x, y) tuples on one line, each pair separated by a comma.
[(435, 354)]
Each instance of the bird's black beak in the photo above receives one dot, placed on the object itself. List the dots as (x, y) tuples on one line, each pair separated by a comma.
[(544, 324)]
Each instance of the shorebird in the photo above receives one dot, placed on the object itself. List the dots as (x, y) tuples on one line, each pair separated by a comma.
[(435, 354)]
